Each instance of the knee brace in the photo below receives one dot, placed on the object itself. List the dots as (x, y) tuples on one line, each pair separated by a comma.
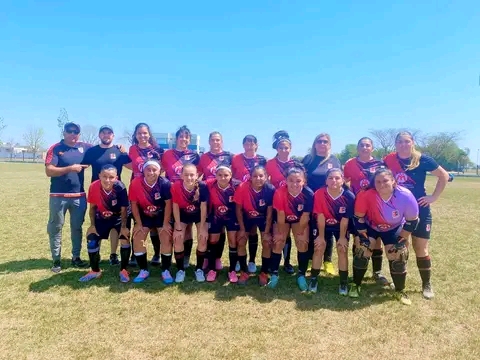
[(359, 260), (93, 243), (364, 241), (399, 264)]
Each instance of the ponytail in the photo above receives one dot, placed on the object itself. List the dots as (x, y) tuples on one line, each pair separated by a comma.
[(196, 195)]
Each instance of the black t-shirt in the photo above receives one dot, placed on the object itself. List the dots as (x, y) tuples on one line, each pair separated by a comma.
[(316, 173), (98, 157)]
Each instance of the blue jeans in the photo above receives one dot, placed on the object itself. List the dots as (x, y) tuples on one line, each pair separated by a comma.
[(58, 208)]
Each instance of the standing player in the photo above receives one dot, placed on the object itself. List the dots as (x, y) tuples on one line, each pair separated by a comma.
[(151, 203), (389, 213), (144, 147), (103, 154), (67, 193), (293, 204), (172, 163), (333, 210), (242, 165), (254, 200), (410, 168), (209, 162), (221, 215), (359, 173), (108, 201), (317, 163), (277, 169), (189, 198)]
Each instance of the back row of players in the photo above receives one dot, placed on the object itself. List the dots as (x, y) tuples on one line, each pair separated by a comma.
[(243, 193)]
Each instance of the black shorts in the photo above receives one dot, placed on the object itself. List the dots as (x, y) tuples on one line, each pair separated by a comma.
[(388, 237), (351, 228), (424, 226), (104, 226), (152, 222), (329, 233), (261, 223), (189, 218), (215, 226)]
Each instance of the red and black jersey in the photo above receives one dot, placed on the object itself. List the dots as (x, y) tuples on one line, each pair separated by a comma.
[(150, 199), (185, 199), (334, 209), (254, 203), (242, 165), (173, 161), (209, 162), (221, 205), (293, 206), (277, 171), (139, 156), (108, 203), (361, 173)]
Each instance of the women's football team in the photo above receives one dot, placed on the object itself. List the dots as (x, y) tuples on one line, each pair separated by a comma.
[(233, 198)]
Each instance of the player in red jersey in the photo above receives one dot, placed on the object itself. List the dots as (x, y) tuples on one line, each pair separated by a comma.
[(209, 162), (151, 203), (108, 201), (242, 165), (333, 209), (221, 215), (144, 147), (277, 169), (359, 173), (254, 200), (189, 198), (172, 163), (410, 169), (293, 204)]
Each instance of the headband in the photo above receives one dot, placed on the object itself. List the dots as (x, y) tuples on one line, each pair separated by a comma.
[(151, 163), (224, 167)]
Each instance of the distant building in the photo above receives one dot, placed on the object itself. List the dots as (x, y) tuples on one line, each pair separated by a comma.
[(17, 152), (167, 141)]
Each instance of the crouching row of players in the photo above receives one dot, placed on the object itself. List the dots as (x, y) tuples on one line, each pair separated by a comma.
[(386, 212)]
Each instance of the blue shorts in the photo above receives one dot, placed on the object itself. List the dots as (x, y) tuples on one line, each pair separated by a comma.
[(261, 223), (104, 226), (215, 226), (388, 237), (424, 226)]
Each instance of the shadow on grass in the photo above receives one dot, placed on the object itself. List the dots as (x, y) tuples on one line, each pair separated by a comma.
[(25, 265), (287, 290)]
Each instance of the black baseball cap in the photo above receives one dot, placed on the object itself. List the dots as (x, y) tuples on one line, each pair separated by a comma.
[(105, 127), (69, 125)]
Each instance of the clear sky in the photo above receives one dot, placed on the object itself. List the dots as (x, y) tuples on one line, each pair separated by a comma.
[(243, 67)]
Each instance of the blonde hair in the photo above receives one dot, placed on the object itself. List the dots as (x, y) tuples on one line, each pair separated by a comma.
[(313, 152), (415, 157), (196, 186)]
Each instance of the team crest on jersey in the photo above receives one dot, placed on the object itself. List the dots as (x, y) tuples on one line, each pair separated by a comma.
[(60, 153), (230, 199), (342, 210), (292, 217), (428, 227), (156, 196), (107, 214), (178, 170), (149, 155), (401, 178), (283, 183), (331, 221), (300, 207), (114, 202), (113, 156), (372, 170), (383, 226), (213, 170), (395, 214), (261, 202), (187, 157), (222, 209), (329, 166), (364, 183), (80, 149), (221, 158), (253, 214), (190, 208), (246, 177)]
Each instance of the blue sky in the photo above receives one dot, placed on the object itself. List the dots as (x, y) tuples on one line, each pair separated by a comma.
[(243, 67)]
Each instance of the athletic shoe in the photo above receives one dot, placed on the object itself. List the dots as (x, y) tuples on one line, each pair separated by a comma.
[(218, 264), (313, 285), (302, 283), (205, 264), (232, 277), (328, 268), (199, 275), (167, 277), (77, 262), (354, 291), (272, 284), (211, 276), (57, 267), (124, 276), (288, 268), (381, 279), (252, 268), (263, 279), (133, 261), (180, 277), (155, 260), (428, 291), (113, 259), (142, 276), (343, 290), (403, 298), (186, 262), (237, 266), (90, 276), (243, 278)]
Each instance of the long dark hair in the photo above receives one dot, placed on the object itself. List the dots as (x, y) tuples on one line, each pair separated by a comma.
[(329, 171), (151, 139), (380, 171), (183, 130)]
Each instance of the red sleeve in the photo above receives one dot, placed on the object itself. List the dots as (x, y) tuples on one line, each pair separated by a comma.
[(133, 191), (318, 201), (92, 192), (278, 200), (236, 167), (347, 169), (176, 198), (361, 202), (51, 158), (164, 161), (238, 197)]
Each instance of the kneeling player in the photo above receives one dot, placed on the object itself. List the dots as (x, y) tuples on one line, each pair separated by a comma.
[(379, 215), (333, 208), (293, 204), (108, 213), (151, 203), (189, 198), (254, 200)]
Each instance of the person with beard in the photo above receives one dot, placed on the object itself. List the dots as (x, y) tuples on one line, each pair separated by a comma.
[(106, 153)]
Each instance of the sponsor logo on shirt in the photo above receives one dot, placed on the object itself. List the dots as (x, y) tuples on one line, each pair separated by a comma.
[(292, 217), (156, 196), (329, 166), (383, 226), (401, 178), (364, 183), (113, 156), (395, 214), (331, 221), (107, 214), (151, 209), (222, 209), (178, 170), (190, 208), (253, 214)]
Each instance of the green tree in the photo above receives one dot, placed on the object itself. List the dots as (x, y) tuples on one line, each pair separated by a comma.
[(34, 139), (348, 152)]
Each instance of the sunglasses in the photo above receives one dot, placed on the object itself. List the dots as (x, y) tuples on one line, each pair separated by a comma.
[(72, 131), (322, 141)]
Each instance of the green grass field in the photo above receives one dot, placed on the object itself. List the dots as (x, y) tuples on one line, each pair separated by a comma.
[(54, 316)]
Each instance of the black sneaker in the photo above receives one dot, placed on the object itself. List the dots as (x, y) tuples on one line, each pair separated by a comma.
[(57, 267), (77, 262), (288, 268), (114, 259)]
